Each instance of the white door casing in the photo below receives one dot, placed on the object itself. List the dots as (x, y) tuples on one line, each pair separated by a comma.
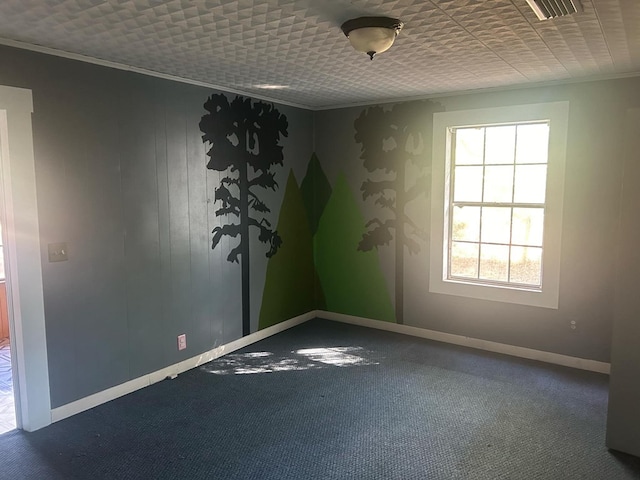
[(19, 216)]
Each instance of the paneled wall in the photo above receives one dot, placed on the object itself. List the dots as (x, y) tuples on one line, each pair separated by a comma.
[(122, 180)]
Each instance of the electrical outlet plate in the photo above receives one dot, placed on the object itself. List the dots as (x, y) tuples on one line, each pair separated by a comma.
[(182, 341)]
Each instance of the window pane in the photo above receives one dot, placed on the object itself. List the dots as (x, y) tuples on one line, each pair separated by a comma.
[(528, 225), (500, 146), (469, 146), (468, 184), (464, 260), (526, 265), (496, 224), (498, 165), (498, 183), (531, 182), (466, 224), (494, 262), (533, 143)]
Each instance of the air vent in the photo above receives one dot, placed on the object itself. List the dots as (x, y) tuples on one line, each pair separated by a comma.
[(546, 9)]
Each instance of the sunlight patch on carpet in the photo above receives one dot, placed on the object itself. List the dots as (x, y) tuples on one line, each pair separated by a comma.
[(303, 359)]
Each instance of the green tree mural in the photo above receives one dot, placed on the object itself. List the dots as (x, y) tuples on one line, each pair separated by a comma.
[(245, 142), (352, 281), (390, 140), (316, 191), (291, 275)]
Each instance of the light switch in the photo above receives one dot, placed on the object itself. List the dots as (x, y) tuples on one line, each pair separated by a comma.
[(58, 252)]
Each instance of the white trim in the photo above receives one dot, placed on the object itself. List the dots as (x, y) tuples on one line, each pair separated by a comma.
[(514, 351), (86, 403), (112, 393), (557, 113), (143, 71), (25, 299)]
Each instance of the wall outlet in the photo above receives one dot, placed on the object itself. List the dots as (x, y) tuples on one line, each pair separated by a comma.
[(182, 341)]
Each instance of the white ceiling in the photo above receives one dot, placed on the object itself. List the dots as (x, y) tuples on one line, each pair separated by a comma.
[(245, 45)]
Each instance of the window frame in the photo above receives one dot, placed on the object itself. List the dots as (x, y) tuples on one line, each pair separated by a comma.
[(557, 114)]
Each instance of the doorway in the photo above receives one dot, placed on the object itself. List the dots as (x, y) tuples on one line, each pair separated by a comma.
[(22, 255), (7, 402)]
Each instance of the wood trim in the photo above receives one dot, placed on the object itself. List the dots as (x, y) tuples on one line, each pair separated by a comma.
[(4, 314)]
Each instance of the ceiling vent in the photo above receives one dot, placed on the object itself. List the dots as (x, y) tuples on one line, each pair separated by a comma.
[(546, 9)]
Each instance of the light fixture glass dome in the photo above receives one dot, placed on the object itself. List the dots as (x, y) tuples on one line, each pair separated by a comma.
[(372, 39), (372, 35)]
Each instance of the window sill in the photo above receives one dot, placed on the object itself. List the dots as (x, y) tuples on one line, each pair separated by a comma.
[(496, 293)]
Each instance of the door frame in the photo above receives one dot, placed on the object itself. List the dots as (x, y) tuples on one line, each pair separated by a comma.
[(23, 267)]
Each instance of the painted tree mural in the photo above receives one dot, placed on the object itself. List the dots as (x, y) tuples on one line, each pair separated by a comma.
[(245, 143), (316, 191), (291, 278), (392, 141), (352, 281)]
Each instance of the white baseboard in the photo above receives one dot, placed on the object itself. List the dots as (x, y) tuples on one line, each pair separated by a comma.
[(522, 352), (112, 393)]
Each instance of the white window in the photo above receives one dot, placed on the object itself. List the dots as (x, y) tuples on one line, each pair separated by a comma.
[(497, 189)]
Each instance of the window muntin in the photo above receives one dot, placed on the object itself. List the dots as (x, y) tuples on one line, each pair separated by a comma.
[(497, 203), (525, 220)]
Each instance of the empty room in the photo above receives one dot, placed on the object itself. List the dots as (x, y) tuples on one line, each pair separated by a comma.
[(347, 239)]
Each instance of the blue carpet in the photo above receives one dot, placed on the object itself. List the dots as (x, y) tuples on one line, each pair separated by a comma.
[(331, 401)]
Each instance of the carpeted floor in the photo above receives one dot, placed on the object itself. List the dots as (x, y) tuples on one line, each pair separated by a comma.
[(331, 401)]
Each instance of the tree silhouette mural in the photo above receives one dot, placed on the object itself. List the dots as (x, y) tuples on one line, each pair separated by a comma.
[(245, 142), (393, 141)]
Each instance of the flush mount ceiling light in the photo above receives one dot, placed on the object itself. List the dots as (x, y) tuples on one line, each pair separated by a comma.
[(372, 35)]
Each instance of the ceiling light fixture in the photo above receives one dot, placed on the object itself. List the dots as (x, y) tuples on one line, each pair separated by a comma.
[(372, 35), (269, 86)]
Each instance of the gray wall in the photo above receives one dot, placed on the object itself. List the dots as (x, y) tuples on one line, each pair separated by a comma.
[(121, 177), (623, 420), (589, 234)]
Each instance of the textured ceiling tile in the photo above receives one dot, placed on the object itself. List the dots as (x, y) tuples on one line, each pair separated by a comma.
[(445, 46)]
